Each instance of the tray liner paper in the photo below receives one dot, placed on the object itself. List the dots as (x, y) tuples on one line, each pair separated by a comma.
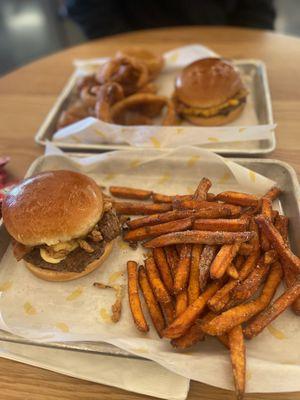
[(77, 311), (244, 129)]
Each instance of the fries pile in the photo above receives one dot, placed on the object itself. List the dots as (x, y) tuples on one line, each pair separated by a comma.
[(215, 263)]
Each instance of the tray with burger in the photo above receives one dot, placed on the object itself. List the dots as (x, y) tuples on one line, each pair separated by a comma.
[(188, 96), (194, 258)]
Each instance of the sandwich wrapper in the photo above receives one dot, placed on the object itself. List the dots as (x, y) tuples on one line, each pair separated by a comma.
[(245, 131), (77, 311)]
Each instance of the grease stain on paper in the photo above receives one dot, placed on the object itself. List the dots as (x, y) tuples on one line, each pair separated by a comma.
[(278, 334), (76, 139), (193, 160), (123, 246), (140, 350), (164, 178), (114, 277), (173, 58), (100, 133), (179, 131), (109, 177), (135, 163), (29, 309), (190, 189), (242, 130), (224, 178), (5, 286), (248, 375), (75, 294), (252, 176), (213, 139), (105, 316), (156, 143), (62, 327)]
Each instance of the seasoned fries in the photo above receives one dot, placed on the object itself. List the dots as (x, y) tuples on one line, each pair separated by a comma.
[(200, 237), (238, 359), (228, 225), (278, 243), (179, 204), (194, 335), (164, 268), (164, 198), (131, 208), (202, 189), (156, 283), (181, 302), (183, 269), (172, 257), (232, 271), (156, 230), (207, 257), (130, 193), (223, 259), (273, 311), (194, 284), (152, 304), (238, 198), (224, 322), (273, 193), (134, 299)]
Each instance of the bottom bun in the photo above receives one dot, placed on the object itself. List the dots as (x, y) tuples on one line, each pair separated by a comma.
[(218, 119), (56, 276)]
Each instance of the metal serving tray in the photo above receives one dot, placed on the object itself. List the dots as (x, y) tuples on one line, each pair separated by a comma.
[(285, 177), (255, 69)]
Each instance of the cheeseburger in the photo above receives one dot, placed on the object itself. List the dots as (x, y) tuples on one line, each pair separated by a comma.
[(61, 225), (210, 92)]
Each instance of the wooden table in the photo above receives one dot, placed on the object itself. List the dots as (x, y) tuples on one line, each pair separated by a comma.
[(27, 94)]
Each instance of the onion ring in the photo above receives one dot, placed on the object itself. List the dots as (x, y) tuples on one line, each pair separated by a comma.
[(74, 113), (128, 72), (88, 95), (86, 81), (150, 87), (147, 105), (107, 95), (153, 62)]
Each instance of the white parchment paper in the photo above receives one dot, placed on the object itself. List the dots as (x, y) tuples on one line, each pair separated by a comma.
[(76, 311), (239, 133)]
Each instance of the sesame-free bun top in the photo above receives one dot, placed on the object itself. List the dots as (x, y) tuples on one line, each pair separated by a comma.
[(52, 207), (207, 83)]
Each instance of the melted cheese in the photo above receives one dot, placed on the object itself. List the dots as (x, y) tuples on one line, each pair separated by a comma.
[(45, 256), (51, 257)]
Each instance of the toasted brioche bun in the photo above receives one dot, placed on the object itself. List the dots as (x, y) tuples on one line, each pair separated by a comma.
[(216, 120), (153, 62), (57, 276), (207, 83), (52, 207)]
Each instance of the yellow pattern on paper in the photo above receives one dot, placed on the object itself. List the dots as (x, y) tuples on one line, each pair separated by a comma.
[(252, 176), (174, 57), (5, 286), (109, 177), (193, 160), (76, 139), (123, 245), (179, 131), (224, 178), (164, 178), (242, 130), (114, 277), (155, 142), (213, 139), (140, 350), (248, 375), (105, 315), (100, 133), (29, 309), (75, 294), (134, 163), (276, 332), (62, 327)]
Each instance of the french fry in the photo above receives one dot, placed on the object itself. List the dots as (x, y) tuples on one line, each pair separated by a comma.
[(278, 243), (218, 302), (179, 204), (131, 208), (172, 258), (224, 322), (268, 315), (238, 198), (232, 272), (194, 284), (182, 323), (208, 254), (147, 232), (202, 189), (134, 298), (193, 335), (151, 302), (169, 312), (273, 193), (183, 269), (200, 237), (239, 261), (228, 225), (130, 193), (266, 210), (174, 215), (223, 258), (164, 268), (156, 283), (181, 303), (246, 249), (164, 198), (282, 225), (238, 359)]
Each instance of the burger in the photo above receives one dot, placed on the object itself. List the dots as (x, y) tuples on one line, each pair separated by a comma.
[(61, 224), (209, 92)]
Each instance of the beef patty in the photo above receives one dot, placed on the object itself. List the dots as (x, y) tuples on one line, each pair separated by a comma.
[(78, 259)]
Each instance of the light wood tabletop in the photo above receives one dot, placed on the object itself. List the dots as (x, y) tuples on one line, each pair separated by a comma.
[(27, 94)]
